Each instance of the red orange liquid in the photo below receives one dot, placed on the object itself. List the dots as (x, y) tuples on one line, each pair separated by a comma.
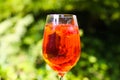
[(61, 46)]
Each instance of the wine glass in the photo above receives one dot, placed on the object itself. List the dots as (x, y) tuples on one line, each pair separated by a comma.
[(61, 42)]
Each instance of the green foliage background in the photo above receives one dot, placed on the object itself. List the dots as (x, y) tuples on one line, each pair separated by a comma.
[(21, 32)]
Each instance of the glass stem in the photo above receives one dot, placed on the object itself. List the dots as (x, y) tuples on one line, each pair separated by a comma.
[(60, 75), (61, 78)]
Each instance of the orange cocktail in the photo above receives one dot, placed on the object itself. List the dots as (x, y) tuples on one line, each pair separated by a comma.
[(61, 46)]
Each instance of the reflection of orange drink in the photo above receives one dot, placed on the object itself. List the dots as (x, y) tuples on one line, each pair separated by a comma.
[(61, 46)]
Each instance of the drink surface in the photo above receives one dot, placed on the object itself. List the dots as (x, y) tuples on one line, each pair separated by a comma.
[(61, 46)]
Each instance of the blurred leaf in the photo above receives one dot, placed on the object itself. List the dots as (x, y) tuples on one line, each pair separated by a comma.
[(115, 15), (92, 59)]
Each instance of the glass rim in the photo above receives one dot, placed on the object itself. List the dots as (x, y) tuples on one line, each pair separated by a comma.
[(60, 15)]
